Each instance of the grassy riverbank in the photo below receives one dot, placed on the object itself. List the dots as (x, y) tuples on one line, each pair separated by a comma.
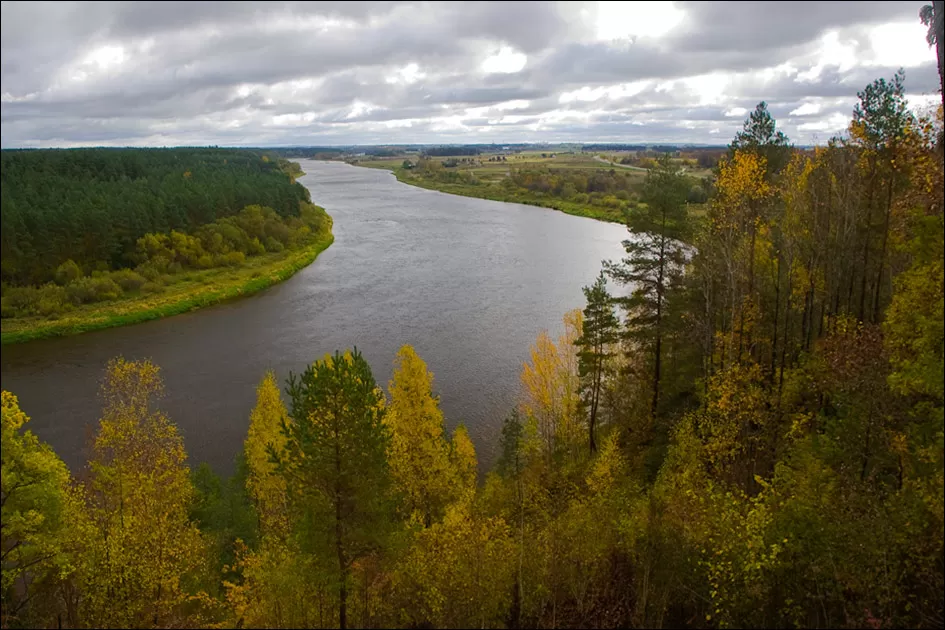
[(187, 291), (495, 192)]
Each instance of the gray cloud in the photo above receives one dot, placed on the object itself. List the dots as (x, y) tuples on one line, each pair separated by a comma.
[(371, 72)]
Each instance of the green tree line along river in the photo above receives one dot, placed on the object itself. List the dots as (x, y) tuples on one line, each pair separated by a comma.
[(94, 238)]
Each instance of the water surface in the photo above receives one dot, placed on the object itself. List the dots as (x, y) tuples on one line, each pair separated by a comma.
[(468, 282)]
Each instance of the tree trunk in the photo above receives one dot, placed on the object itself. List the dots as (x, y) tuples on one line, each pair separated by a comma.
[(339, 545), (938, 18), (777, 313), (882, 256), (595, 397), (866, 262), (659, 320)]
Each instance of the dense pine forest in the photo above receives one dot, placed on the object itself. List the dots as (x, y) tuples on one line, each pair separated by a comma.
[(742, 427), (92, 205), (89, 226)]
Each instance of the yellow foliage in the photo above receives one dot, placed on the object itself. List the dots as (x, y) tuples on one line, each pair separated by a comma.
[(34, 518), (419, 453), (279, 589), (463, 457), (457, 573), (550, 384), (742, 187), (140, 543), (267, 490)]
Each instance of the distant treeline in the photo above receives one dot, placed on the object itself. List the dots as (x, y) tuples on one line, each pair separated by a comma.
[(661, 148), (451, 150), (92, 205)]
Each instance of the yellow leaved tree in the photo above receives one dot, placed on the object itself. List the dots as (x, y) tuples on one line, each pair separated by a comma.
[(420, 456), (266, 488), (550, 383), (34, 516), (141, 546)]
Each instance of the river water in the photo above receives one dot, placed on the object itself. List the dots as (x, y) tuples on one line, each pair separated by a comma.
[(468, 282)]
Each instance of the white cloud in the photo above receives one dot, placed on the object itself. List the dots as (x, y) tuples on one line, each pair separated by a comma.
[(834, 123), (105, 57), (899, 44), (340, 72), (617, 20), (807, 109), (408, 74), (507, 61)]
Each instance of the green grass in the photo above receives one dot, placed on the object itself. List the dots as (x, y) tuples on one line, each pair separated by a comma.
[(491, 174), (494, 192), (189, 291)]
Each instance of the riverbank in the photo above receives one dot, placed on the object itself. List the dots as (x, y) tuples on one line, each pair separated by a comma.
[(190, 291), (494, 192)]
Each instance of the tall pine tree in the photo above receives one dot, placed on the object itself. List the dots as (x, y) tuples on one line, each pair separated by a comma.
[(335, 462), (599, 330), (655, 256)]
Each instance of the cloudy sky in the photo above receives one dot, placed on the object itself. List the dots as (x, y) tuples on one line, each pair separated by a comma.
[(295, 73)]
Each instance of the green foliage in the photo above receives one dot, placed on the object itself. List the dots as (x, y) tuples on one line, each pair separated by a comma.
[(760, 136), (223, 243), (335, 463), (91, 205), (599, 332), (654, 263)]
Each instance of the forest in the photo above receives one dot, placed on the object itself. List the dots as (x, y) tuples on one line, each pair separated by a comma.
[(91, 206), (742, 427), (99, 237)]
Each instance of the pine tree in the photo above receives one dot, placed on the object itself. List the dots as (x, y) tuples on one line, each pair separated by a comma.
[(599, 330), (761, 137), (335, 462), (655, 256)]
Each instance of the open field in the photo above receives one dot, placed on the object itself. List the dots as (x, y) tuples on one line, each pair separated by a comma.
[(486, 176)]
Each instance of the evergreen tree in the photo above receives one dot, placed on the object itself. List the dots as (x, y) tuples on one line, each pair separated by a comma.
[(655, 257), (599, 331), (335, 462), (759, 135)]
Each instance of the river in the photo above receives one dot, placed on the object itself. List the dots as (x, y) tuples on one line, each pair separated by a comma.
[(468, 282)]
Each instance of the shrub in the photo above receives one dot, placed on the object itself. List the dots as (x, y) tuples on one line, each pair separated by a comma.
[(128, 279), (272, 245), (48, 299), (88, 290), (233, 258), (149, 271), (255, 247), (67, 272), (697, 194), (152, 287)]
